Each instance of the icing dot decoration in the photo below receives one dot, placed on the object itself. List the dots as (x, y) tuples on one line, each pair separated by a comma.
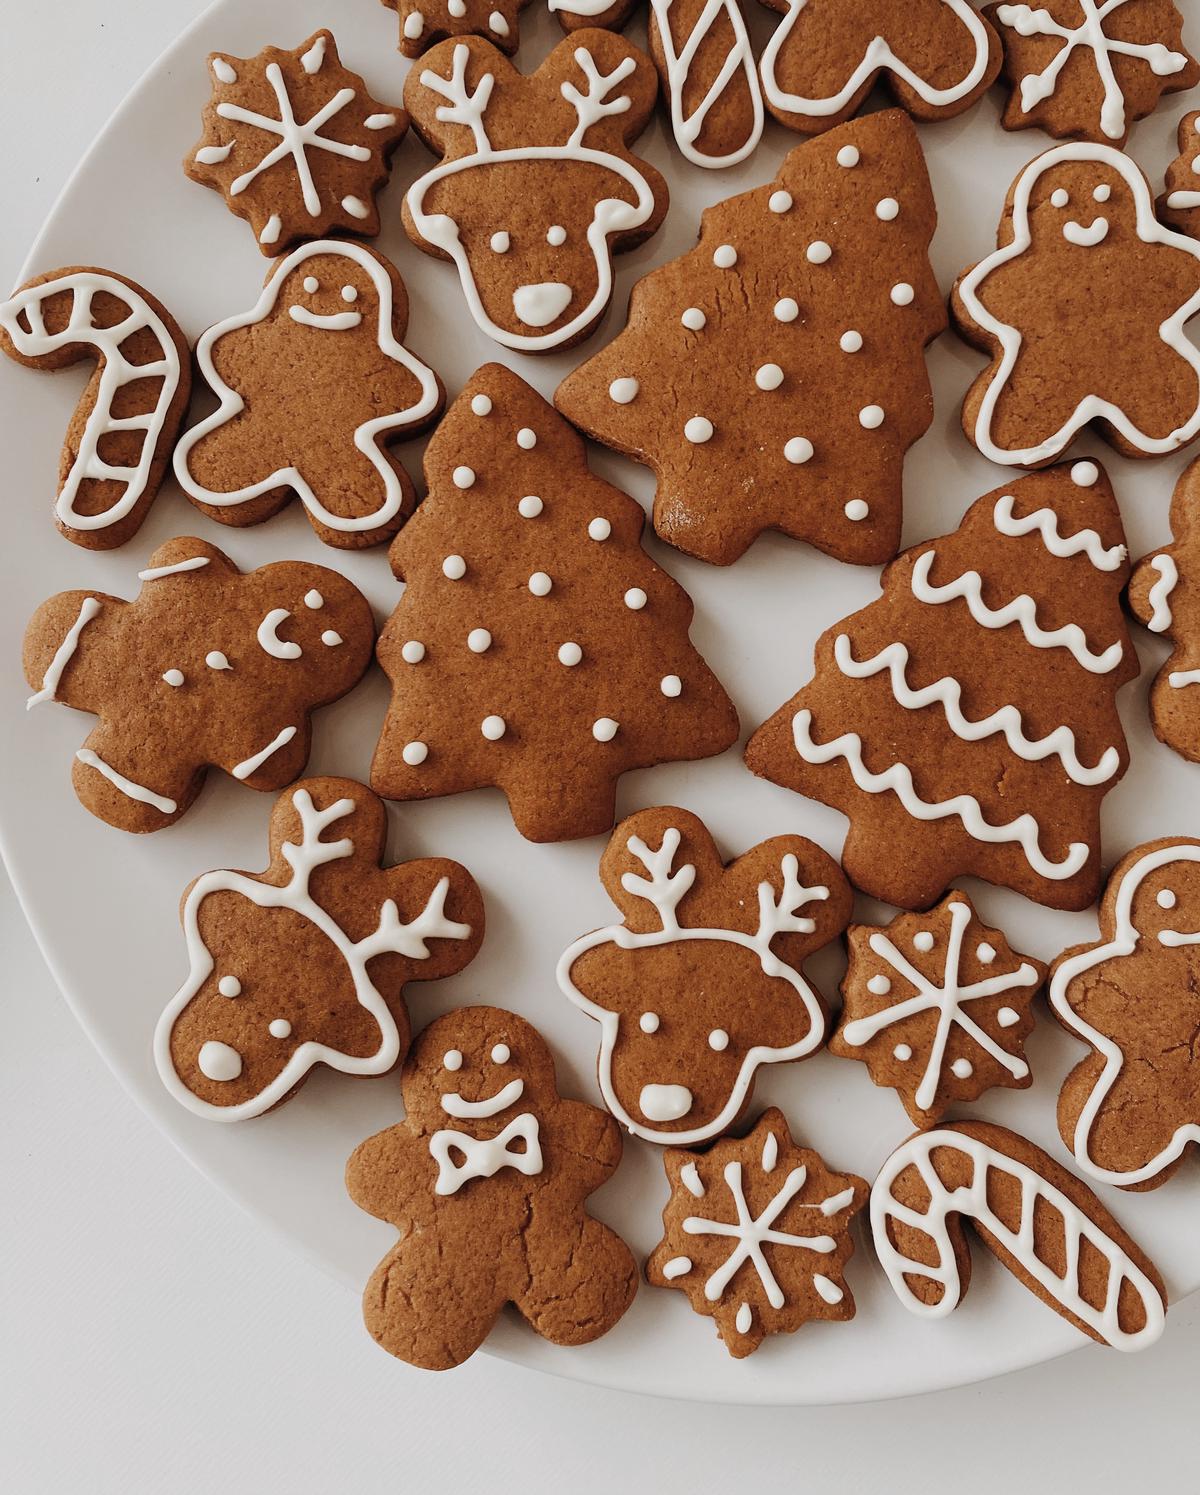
[(818, 252), (501, 1053), (599, 529), (413, 652), (415, 753), (850, 341), (526, 439), (886, 209), (902, 294), (870, 417), (648, 1022), (174, 677), (718, 1040), (1085, 474), (923, 941), (848, 156), (481, 405), (217, 1061), (693, 319), (780, 201), (698, 430), (857, 510), (452, 1059), (229, 986), (215, 660), (963, 1069), (556, 235), (464, 477), (879, 986), (670, 685), (725, 257), (902, 1052), (569, 654), (1008, 1017), (604, 729), (454, 567), (479, 641), (530, 506), (493, 728), (623, 391), (540, 584), (279, 1027), (769, 376), (1166, 898), (635, 599), (500, 242), (985, 953), (313, 600), (786, 310), (798, 450), (1060, 197)]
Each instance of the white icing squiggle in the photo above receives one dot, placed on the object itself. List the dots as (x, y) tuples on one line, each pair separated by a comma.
[(1160, 593), (65, 652), (1045, 522)]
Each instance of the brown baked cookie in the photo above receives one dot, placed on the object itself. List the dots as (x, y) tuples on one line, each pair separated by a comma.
[(424, 23), (936, 56), (709, 78), (208, 667), (1179, 205), (305, 962), (486, 1180), (606, 14), (966, 721), (757, 1234), (1087, 69), (1082, 310), (314, 386), (1164, 594), (938, 1007), (1129, 1111), (537, 188), (295, 143), (788, 348), (119, 439), (702, 981), (536, 647), (1041, 1223)]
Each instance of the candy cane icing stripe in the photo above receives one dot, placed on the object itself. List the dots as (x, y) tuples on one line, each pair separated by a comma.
[(1045, 522), (740, 56), (63, 655)]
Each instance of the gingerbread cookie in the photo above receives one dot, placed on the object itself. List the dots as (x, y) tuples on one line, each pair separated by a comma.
[(486, 1180), (1164, 594), (574, 15), (1179, 205), (1087, 69), (1041, 1223), (1083, 310), (938, 1007), (536, 647), (709, 79), (702, 981), (757, 1234), (787, 347), (424, 23), (537, 188), (119, 440), (305, 962), (207, 667), (1129, 1111), (966, 721), (937, 57), (314, 385), (295, 143)]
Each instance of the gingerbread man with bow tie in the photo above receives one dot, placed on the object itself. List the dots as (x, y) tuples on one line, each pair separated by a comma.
[(486, 1180)]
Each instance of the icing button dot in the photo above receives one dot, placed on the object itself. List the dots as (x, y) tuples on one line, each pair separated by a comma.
[(481, 405), (1166, 898), (857, 510), (604, 729), (229, 986), (798, 450), (850, 341), (648, 1022), (569, 654), (414, 754), (1008, 1017), (540, 584), (1085, 474), (452, 1059), (963, 1069), (786, 309), (985, 953), (623, 391), (670, 685), (331, 639), (848, 156), (493, 728), (526, 439), (479, 641), (698, 430), (886, 209), (902, 294), (693, 319), (769, 376), (780, 201), (279, 1027), (464, 477), (530, 506), (818, 252), (718, 1040), (174, 677), (902, 1052), (413, 652), (501, 1054), (454, 568), (635, 599), (311, 284), (870, 417), (599, 529), (725, 257)]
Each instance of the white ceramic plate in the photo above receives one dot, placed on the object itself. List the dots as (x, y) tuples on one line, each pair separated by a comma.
[(103, 904)]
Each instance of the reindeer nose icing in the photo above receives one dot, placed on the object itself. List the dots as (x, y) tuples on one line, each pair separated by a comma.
[(665, 1102), (539, 305)]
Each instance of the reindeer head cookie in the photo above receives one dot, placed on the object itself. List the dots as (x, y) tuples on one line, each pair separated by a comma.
[(537, 188), (702, 982), (486, 1179), (207, 667), (306, 962)]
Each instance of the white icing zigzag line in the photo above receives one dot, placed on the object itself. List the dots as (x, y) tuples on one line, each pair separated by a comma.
[(1045, 522), (947, 693), (1160, 593), (740, 56), (972, 1200), (1022, 610), (1024, 830)]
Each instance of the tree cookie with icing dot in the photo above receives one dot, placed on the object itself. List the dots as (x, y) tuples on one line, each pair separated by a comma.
[(938, 1007), (1179, 205), (788, 347), (305, 962), (424, 23), (207, 667), (966, 721), (295, 143), (1083, 309), (486, 1180), (537, 647), (757, 1234), (702, 982)]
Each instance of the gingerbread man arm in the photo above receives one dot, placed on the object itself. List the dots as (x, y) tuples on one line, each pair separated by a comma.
[(73, 648)]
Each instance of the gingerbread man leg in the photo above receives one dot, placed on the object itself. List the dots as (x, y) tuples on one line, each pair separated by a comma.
[(578, 1284), (406, 1303)]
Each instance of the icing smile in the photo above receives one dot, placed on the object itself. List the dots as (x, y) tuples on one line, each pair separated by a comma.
[(454, 1105), (1086, 238), (338, 321)]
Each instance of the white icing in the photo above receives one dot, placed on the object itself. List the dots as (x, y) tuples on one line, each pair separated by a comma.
[(798, 450), (738, 63), (452, 1059), (604, 729), (268, 636), (65, 652), (694, 319), (744, 1320), (498, 24), (413, 652), (215, 660), (127, 787), (313, 59), (671, 686), (1086, 237), (479, 1110), (1161, 617), (1177, 679), (599, 529), (678, 1266), (415, 753), (690, 1179), (454, 568), (484, 1158), (828, 1289), (635, 599), (173, 677), (622, 391), (223, 71), (213, 155), (414, 25), (540, 584), (698, 430), (648, 1022), (530, 506), (493, 728), (902, 294), (279, 1027), (526, 439), (313, 600), (718, 1040), (193, 563), (479, 640), (1045, 523), (379, 121), (569, 654), (481, 405), (664, 1102), (871, 417), (219, 1062), (251, 765), (725, 257), (787, 309), (887, 209), (857, 510), (818, 252), (770, 1153), (501, 1053), (229, 986), (768, 376)]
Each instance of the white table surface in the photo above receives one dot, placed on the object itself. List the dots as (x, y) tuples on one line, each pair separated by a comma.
[(153, 1339)]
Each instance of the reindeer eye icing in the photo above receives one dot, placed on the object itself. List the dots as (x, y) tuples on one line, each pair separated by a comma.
[(718, 1040), (648, 1022), (452, 1059), (556, 235), (500, 243), (501, 1054)]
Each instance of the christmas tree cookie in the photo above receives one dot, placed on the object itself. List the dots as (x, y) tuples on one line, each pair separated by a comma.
[(1179, 205), (966, 721), (424, 23), (536, 647), (787, 348)]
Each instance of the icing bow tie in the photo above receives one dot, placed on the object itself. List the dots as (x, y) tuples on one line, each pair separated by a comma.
[(481, 1159)]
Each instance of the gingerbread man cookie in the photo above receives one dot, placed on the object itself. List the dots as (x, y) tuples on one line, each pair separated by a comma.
[(486, 1180), (305, 963), (1042, 1224), (295, 143), (938, 1006), (1083, 310), (1179, 205), (1130, 1110), (119, 440), (424, 23), (207, 667), (537, 188), (757, 1234), (702, 981), (314, 385)]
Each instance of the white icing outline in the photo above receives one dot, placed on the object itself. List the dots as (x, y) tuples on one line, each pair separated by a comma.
[(1062, 547), (678, 67)]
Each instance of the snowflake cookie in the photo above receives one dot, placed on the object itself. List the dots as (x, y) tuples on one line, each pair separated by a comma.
[(938, 1006), (1131, 1109), (314, 385), (118, 443), (1087, 69), (1083, 310), (757, 1234), (788, 347), (424, 23), (207, 667), (295, 143), (305, 963), (537, 647), (1042, 1224), (486, 1180), (702, 981)]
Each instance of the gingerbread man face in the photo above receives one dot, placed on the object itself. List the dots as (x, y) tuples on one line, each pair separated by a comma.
[(305, 963), (1129, 1111), (206, 667), (702, 983), (486, 1179)]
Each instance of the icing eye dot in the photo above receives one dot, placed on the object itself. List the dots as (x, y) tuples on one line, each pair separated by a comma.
[(604, 729), (556, 235), (818, 252), (648, 1022), (540, 584), (693, 319), (464, 477), (479, 641), (279, 1027), (786, 310), (698, 430), (902, 1052), (798, 450), (635, 599), (501, 1054), (923, 940), (174, 677), (217, 661), (1008, 1016), (526, 439), (848, 156), (985, 953), (670, 685), (871, 417), (311, 284), (457, 8), (493, 728), (1085, 474), (349, 293), (1060, 197), (850, 341), (1102, 193), (780, 202), (623, 391), (857, 510), (452, 1059), (902, 294), (454, 568), (530, 506), (599, 529), (963, 1069), (769, 376), (313, 600), (481, 405), (413, 652), (569, 654), (331, 639), (229, 986), (725, 257), (886, 209), (1167, 898), (879, 986), (718, 1040), (414, 754), (500, 243)]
